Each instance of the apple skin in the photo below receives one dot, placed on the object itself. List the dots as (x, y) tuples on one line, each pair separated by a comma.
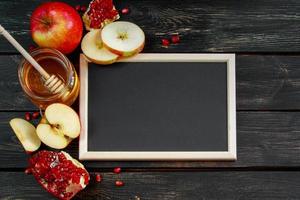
[(125, 53), (56, 25), (102, 62), (92, 46), (26, 133)]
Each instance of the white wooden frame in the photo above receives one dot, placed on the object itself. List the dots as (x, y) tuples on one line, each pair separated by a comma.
[(84, 154)]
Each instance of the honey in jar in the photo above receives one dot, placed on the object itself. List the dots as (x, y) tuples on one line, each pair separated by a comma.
[(55, 63)]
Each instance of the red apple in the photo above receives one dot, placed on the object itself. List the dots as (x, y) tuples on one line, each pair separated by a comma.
[(56, 25)]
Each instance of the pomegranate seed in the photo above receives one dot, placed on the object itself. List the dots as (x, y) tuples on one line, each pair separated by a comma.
[(27, 116), (117, 170), (78, 7), (175, 39), (119, 183), (35, 115), (165, 42), (83, 8), (125, 11), (31, 48), (98, 178), (28, 171)]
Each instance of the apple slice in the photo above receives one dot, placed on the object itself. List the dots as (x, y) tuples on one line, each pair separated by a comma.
[(123, 38), (59, 126), (94, 50), (26, 133)]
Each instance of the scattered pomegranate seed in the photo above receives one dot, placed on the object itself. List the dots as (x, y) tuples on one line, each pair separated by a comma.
[(125, 11), (98, 178), (78, 7), (35, 115), (83, 8), (31, 48), (165, 42), (27, 116), (117, 170), (28, 171), (119, 183), (175, 39)]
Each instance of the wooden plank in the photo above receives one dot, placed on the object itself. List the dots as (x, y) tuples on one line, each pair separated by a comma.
[(12, 96), (204, 26), (264, 82), (264, 139), (168, 185), (268, 82)]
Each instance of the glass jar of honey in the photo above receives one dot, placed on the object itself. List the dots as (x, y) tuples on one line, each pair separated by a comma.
[(55, 63)]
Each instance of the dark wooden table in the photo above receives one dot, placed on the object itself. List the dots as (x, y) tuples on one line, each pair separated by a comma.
[(264, 34)]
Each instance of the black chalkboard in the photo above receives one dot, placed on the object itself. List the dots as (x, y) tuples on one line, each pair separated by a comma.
[(158, 107)]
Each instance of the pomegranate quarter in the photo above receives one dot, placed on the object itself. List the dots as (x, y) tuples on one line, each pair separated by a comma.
[(99, 13), (59, 173)]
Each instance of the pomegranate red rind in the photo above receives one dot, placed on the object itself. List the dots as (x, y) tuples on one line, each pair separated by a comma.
[(100, 13), (59, 173)]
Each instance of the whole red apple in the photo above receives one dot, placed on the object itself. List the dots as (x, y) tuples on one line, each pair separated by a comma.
[(56, 25)]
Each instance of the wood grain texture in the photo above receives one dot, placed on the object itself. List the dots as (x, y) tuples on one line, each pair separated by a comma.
[(204, 26), (264, 139), (12, 96), (268, 82), (167, 186), (263, 82)]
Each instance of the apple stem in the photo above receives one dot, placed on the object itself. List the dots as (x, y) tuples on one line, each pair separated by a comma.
[(45, 22)]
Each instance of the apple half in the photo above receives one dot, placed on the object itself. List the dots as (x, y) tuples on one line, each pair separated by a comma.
[(123, 38), (59, 126), (94, 50), (26, 133)]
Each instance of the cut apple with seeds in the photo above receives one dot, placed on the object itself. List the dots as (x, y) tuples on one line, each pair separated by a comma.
[(94, 50), (52, 136), (59, 126), (26, 133), (123, 38)]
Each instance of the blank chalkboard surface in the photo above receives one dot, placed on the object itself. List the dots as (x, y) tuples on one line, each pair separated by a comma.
[(159, 106)]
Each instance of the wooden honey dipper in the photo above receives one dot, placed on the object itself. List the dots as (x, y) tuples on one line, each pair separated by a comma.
[(52, 82)]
